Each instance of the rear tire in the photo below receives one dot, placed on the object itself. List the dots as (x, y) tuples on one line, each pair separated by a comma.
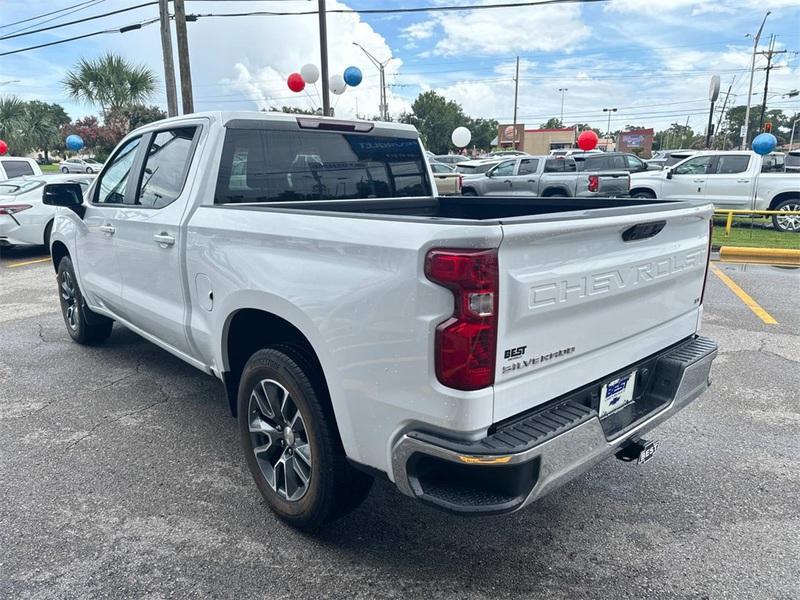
[(468, 192), (83, 325), (644, 194), (789, 222), (290, 440), (64, 170)]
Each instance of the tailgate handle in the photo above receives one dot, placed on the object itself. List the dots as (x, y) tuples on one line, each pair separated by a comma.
[(642, 231)]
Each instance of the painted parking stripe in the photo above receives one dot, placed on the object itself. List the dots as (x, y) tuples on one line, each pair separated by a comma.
[(744, 297), (28, 262)]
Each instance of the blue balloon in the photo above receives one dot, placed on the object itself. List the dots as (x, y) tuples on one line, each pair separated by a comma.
[(74, 142), (764, 143), (352, 76)]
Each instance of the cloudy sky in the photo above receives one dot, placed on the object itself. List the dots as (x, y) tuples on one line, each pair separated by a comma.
[(652, 59)]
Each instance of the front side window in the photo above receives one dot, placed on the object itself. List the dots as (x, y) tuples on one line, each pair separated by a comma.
[(17, 168), (504, 169), (441, 168), (634, 164), (528, 166), (112, 184), (734, 163), (694, 166), (165, 167), (273, 166)]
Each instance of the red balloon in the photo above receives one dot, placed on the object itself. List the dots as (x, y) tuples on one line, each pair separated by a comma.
[(296, 82), (3, 147), (587, 140)]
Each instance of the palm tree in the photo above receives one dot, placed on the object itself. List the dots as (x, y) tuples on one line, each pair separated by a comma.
[(13, 119), (110, 82)]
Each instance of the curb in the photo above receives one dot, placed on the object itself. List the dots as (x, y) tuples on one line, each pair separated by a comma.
[(766, 256)]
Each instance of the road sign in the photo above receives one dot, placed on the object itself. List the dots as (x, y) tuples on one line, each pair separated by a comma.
[(713, 89)]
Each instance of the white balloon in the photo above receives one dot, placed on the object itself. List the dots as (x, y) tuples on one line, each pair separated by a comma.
[(310, 73), (337, 84), (461, 137)]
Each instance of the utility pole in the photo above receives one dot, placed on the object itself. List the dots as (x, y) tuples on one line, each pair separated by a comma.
[(686, 130), (516, 95), (746, 127), (563, 91), (323, 59), (169, 64), (383, 106), (791, 139), (183, 57), (608, 127), (769, 54), (722, 112)]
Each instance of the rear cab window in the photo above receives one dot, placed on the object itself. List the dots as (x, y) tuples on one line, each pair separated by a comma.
[(277, 165), (733, 163), (17, 168), (559, 165)]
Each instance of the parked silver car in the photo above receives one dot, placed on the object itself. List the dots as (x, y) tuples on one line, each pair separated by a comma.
[(80, 165)]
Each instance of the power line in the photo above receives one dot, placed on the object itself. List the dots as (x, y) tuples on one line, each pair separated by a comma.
[(60, 10), (61, 16), (83, 20), (124, 29)]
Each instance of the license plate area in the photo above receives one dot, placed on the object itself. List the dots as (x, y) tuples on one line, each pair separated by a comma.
[(617, 394)]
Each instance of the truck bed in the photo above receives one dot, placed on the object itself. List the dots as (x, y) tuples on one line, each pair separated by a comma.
[(492, 210)]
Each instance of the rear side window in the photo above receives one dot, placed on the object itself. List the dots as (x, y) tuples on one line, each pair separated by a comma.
[(528, 166), (17, 168), (732, 164), (559, 165), (165, 167), (273, 166)]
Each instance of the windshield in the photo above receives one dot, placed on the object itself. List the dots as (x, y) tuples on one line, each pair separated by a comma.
[(14, 187)]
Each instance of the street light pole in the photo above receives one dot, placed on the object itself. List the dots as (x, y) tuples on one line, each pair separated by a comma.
[(323, 59), (563, 91), (746, 128), (608, 127), (383, 108)]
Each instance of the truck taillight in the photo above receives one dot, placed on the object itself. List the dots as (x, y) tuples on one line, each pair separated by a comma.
[(594, 183), (708, 259), (10, 209), (466, 342)]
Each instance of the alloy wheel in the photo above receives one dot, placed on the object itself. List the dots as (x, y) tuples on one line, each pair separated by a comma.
[(70, 300), (789, 222), (279, 439)]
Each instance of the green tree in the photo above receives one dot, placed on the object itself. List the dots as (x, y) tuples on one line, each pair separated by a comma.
[(12, 124), (110, 82), (483, 132), (730, 129), (435, 118), (43, 124), (586, 127), (551, 123)]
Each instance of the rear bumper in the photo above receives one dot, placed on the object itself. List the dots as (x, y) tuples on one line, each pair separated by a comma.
[(537, 452)]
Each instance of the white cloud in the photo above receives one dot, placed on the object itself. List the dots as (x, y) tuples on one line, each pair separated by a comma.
[(419, 31), (523, 29)]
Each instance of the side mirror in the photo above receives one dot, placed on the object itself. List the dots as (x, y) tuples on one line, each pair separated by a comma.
[(68, 195), (669, 174)]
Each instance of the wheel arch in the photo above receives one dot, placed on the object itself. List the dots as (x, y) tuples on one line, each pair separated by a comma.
[(555, 191), (645, 190), (58, 251), (782, 197)]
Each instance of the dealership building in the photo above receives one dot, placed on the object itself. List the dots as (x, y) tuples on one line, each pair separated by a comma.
[(542, 141)]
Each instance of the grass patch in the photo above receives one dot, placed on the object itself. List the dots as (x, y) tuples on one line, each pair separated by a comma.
[(757, 233), (49, 168)]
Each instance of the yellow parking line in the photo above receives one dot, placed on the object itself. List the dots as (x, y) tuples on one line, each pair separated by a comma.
[(28, 262), (744, 297)]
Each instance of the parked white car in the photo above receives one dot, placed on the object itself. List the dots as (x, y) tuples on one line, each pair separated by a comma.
[(24, 219), (80, 165), (730, 179), (17, 166), (478, 354)]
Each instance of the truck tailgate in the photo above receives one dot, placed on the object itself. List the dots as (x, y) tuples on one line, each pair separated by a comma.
[(615, 183), (578, 302)]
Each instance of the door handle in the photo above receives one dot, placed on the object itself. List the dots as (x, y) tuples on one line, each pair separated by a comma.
[(699, 180), (164, 239), (108, 229), (742, 181)]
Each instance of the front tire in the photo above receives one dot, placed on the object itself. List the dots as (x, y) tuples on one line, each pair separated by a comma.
[(83, 325), (64, 170), (89, 170), (290, 440), (788, 222)]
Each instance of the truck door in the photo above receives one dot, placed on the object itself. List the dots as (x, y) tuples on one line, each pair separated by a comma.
[(731, 182), (688, 178), (526, 181), (499, 179), (98, 261), (149, 238)]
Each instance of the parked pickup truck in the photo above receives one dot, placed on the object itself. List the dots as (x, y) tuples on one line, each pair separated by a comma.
[(730, 179), (476, 354), (544, 176)]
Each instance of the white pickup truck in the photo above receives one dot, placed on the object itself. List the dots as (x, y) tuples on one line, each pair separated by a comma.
[(478, 354), (730, 179)]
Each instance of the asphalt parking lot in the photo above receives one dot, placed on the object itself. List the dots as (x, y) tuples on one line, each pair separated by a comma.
[(121, 476)]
